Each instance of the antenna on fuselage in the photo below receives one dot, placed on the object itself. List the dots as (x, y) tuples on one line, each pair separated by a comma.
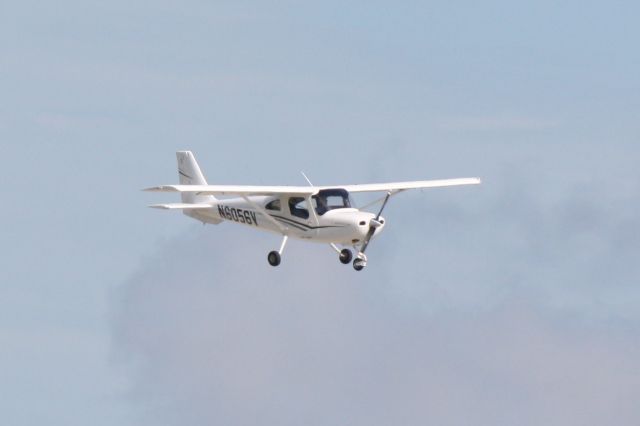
[(306, 178)]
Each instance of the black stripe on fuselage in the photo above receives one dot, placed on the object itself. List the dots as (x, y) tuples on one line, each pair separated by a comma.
[(184, 174), (304, 225), (291, 224)]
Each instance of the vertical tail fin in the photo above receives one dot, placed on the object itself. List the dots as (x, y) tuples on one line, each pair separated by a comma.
[(190, 174)]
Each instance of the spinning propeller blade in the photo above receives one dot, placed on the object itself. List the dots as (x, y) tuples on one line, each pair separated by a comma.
[(373, 224)]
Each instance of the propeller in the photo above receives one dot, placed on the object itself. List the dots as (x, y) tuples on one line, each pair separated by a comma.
[(373, 224)]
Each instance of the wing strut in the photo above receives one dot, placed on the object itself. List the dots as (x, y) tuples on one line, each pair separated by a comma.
[(376, 201)]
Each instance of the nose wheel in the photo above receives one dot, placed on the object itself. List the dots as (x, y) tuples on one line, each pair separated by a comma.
[(360, 262)]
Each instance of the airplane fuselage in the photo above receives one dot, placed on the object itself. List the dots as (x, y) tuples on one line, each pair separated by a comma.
[(346, 226)]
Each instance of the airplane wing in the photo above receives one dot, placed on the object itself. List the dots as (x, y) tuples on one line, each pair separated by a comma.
[(403, 186), (247, 190), (241, 190)]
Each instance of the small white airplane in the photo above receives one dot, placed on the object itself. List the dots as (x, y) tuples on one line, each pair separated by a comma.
[(323, 214)]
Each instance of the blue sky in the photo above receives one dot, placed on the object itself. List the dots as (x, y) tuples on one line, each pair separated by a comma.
[(542, 100)]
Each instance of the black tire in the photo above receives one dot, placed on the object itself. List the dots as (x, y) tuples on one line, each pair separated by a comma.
[(274, 258), (345, 256), (357, 265)]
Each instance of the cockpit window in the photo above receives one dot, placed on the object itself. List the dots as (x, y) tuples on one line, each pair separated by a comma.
[(329, 199), (273, 205), (298, 207)]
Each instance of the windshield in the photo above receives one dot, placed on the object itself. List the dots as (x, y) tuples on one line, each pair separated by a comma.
[(329, 199)]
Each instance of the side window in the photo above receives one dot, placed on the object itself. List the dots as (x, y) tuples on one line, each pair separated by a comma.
[(298, 207), (273, 205)]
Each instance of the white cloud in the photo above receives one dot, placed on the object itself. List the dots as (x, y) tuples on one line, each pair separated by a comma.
[(210, 337)]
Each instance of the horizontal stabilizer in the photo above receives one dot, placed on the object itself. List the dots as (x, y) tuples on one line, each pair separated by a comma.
[(183, 206)]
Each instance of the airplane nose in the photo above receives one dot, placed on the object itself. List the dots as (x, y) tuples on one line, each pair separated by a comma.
[(376, 223), (364, 223), (379, 223)]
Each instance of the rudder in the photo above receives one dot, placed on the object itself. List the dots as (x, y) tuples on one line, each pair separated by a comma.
[(189, 173)]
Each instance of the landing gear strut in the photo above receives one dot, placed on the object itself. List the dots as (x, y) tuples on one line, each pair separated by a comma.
[(274, 257)]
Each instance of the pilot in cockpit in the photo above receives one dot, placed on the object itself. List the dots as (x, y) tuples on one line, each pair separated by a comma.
[(321, 204)]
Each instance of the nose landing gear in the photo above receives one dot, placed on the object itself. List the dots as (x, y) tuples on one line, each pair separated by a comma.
[(360, 262), (361, 259)]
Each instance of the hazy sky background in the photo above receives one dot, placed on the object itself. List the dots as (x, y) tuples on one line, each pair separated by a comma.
[(516, 302)]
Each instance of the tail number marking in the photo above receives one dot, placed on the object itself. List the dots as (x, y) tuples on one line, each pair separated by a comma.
[(238, 215)]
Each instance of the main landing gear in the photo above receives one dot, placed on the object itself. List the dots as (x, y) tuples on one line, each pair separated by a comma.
[(345, 256), (274, 257)]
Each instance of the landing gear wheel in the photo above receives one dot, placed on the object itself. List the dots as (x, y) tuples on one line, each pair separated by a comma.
[(345, 256), (359, 264), (274, 258)]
